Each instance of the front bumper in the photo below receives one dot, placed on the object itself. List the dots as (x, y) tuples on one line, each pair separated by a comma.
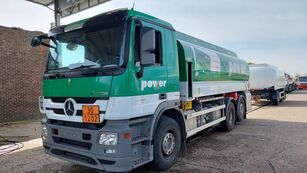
[(89, 159), (80, 145)]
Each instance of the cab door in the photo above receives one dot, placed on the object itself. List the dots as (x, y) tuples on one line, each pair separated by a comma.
[(151, 80)]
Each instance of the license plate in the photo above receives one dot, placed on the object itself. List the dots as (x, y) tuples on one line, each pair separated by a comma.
[(90, 114)]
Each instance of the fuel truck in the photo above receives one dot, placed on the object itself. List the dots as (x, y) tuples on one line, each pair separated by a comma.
[(123, 89), (267, 82)]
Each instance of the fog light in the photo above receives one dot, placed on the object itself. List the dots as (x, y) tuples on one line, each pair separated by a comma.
[(44, 132), (110, 151), (107, 138)]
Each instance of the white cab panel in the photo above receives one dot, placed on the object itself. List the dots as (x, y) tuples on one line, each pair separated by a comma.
[(120, 108)]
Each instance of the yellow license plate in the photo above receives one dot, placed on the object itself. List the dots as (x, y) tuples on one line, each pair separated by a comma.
[(90, 114)]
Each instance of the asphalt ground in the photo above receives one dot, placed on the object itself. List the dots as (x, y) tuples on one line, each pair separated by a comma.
[(271, 139)]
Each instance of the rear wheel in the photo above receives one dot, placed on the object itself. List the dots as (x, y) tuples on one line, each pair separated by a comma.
[(230, 121), (241, 108), (166, 144)]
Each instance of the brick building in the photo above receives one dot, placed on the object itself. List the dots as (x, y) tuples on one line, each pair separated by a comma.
[(21, 71)]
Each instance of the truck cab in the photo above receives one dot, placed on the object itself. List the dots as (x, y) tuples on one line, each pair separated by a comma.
[(102, 75)]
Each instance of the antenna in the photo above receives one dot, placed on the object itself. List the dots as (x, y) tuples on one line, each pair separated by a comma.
[(133, 5)]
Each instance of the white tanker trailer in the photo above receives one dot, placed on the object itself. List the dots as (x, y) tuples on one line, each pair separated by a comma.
[(267, 82)]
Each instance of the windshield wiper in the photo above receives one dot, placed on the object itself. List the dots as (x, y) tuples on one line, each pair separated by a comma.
[(110, 66), (55, 75), (92, 72), (82, 66), (98, 71)]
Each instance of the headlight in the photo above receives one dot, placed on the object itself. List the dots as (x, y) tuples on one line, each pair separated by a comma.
[(107, 138), (44, 131), (41, 104)]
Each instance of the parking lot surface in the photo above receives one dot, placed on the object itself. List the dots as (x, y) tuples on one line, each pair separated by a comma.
[(272, 139)]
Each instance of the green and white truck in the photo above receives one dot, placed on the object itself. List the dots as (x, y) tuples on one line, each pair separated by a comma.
[(123, 89)]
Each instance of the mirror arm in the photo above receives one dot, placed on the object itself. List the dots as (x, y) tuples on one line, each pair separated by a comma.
[(47, 45), (54, 40), (139, 74)]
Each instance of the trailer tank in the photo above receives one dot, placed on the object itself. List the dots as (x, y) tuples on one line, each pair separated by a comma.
[(207, 69), (265, 76)]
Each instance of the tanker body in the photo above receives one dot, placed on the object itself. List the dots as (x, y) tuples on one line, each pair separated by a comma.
[(213, 70), (123, 89), (267, 82)]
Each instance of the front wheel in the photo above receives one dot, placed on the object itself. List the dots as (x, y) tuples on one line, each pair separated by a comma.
[(167, 144)]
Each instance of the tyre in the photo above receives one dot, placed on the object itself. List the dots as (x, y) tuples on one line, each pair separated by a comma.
[(276, 100), (230, 121), (167, 144), (241, 108)]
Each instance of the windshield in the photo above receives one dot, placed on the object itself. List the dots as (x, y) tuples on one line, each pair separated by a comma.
[(303, 79), (80, 49)]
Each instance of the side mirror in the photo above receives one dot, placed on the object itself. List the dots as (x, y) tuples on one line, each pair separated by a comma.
[(147, 46), (36, 41)]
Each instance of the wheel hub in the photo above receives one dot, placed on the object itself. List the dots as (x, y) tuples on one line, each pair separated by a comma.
[(231, 116), (168, 144), (242, 108)]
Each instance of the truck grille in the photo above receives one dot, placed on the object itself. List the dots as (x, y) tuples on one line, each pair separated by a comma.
[(77, 125), (81, 100), (61, 111)]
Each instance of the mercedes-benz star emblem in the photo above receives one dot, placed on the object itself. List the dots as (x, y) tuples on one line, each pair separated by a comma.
[(69, 107)]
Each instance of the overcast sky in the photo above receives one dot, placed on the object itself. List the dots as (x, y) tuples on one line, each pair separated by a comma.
[(259, 31)]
